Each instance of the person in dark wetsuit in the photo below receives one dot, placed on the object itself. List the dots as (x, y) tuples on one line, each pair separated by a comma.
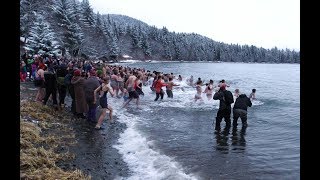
[(104, 88)]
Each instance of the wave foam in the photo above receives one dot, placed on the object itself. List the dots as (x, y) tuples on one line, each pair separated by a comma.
[(141, 157)]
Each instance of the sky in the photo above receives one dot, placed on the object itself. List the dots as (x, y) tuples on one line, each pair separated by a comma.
[(262, 23)]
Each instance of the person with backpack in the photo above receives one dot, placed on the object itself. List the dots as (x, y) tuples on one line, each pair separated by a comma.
[(226, 99)]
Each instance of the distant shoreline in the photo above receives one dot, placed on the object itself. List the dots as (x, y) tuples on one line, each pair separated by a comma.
[(167, 61)]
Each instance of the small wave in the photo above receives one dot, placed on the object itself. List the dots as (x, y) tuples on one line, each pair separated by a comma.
[(257, 103), (141, 157)]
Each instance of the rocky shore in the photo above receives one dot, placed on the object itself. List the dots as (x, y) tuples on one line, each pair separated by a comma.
[(55, 145)]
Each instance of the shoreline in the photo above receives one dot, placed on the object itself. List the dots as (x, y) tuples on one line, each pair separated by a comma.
[(90, 152)]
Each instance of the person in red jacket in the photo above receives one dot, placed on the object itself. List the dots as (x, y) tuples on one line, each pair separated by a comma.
[(158, 87)]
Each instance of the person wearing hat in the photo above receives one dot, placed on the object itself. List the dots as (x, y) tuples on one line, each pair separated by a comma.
[(80, 99), (226, 99), (90, 85)]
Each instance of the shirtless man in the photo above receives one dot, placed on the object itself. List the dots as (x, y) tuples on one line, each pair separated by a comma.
[(132, 92), (170, 85), (252, 96), (199, 91), (236, 93)]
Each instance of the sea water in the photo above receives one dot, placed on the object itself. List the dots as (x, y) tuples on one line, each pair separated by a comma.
[(175, 138)]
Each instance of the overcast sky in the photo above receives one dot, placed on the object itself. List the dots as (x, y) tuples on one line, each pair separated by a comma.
[(262, 23)]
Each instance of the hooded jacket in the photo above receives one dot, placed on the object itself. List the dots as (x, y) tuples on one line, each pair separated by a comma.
[(242, 102), (220, 95)]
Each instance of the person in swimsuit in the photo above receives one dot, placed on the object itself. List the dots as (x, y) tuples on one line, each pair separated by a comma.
[(252, 96), (170, 85), (236, 93), (190, 81), (114, 83), (209, 90), (158, 87), (120, 81), (199, 91), (103, 89), (132, 92)]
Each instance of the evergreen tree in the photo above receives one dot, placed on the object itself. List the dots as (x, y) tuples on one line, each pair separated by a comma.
[(87, 14), (28, 11), (72, 36), (114, 49), (146, 47), (42, 38)]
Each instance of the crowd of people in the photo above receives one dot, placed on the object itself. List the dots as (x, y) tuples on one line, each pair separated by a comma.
[(88, 84)]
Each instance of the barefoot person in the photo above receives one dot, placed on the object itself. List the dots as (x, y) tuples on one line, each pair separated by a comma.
[(199, 91), (103, 89), (252, 96), (158, 87), (236, 93), (170, 85), (132, 92), (40, 76), (209, 89)]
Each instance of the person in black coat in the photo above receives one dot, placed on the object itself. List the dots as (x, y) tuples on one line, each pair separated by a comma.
[(226, 99), (61, 72), (50, 82), (240, 110)]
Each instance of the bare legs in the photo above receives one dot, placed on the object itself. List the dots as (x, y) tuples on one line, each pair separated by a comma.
[(103, 115), (40, 94)]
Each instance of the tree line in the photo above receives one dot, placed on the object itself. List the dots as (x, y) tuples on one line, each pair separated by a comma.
[(71, 28)]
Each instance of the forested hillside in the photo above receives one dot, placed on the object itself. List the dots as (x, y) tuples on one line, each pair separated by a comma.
[(71, 28)]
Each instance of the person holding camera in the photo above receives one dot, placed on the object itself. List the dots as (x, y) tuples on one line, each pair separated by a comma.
[(226, 99)]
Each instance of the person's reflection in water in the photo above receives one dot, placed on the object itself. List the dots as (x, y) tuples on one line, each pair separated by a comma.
[(239, 142), (222, 139)]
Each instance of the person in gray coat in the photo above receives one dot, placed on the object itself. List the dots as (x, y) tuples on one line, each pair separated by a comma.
[(240, 110), (90, 85)]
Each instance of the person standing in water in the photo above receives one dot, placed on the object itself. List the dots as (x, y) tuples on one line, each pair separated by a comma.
[(170, 85), (209, 89), (226, 99), (190, 81), (223, 83), (252, 96), (158, 88), (240, 110), (199, 91), (132, 92), (103, 89), (236, 93)]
